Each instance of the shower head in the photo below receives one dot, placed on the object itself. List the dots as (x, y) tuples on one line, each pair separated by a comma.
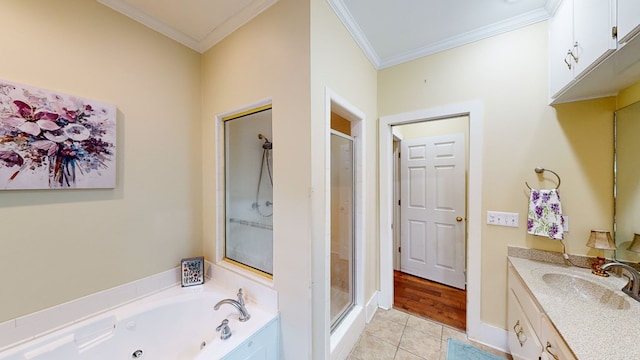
[(268, 145)]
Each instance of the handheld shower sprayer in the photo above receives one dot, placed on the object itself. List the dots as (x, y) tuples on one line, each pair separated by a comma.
[(265, 163), (268, 145)]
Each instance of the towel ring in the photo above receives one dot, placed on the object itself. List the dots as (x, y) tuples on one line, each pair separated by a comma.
[(540, 170)]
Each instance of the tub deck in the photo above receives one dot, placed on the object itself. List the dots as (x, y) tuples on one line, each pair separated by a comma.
[(174, 324)]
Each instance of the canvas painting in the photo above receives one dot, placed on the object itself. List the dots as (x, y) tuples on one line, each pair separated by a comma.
[(50, 140)]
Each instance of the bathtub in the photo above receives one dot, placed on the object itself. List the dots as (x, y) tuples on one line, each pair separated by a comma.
[(174, 324)]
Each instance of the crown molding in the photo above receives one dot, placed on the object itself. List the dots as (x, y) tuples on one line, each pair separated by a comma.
[(151, 22), (356, 32), (552, 6), (379, 63), (498, 28), (199, 45), (233, 23)]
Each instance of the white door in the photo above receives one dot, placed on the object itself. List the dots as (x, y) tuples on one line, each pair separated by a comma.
[(433, 208)]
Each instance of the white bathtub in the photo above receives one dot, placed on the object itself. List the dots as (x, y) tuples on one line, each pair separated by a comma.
[(174, 324)]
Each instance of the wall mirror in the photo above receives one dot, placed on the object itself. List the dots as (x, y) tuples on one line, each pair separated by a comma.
[(626, 190), (248, 168)]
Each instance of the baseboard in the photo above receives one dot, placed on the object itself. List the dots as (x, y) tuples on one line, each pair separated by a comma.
[(372, 306), (345, 337), (491, 336)]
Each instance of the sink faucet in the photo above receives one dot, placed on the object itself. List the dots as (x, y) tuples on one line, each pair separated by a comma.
[(238, 304), (633, 286)]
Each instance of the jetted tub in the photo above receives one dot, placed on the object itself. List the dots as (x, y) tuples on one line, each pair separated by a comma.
[(174, 324)]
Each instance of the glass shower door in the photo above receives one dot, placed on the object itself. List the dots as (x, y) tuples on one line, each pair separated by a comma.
[(342, 227)]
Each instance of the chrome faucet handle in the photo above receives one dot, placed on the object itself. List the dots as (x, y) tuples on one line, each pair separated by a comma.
[(240, 297), (225, 330), (629, 287), (633, 286)]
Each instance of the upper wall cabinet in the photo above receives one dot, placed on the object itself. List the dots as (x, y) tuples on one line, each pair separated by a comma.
[(589, 54), (581, 33), (561, 48), (628, 19)]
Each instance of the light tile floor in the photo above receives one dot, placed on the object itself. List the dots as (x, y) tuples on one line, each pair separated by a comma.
[(396, 335)]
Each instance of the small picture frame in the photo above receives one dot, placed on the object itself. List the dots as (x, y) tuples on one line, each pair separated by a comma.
[(192, 271)]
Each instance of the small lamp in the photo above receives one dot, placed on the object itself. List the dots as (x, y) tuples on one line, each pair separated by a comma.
[(600, 239), (635, 244)]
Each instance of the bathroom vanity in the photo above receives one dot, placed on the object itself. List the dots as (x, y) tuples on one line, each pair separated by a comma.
[(563, 312)]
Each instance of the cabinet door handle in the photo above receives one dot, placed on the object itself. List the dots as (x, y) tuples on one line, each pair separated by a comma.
[(566, 57), (516, 325), (522, 338), (573, 56), (549, 351)]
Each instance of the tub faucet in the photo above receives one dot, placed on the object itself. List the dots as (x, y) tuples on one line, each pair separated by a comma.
[(244, 314), (633, 286), (240, 297)]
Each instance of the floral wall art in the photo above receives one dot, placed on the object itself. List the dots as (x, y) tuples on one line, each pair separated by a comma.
[(50, 140)]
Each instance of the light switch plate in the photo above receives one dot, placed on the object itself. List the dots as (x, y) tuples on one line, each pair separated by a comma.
[(500, 218)]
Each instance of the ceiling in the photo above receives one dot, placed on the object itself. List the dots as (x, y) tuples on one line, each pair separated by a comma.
[(389, 32)]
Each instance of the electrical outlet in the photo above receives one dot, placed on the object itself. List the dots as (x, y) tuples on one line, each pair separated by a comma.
[(500, 218)]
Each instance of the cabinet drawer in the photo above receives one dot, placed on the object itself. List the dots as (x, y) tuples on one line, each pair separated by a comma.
[(553, 342), (525, 299), (522, 340)]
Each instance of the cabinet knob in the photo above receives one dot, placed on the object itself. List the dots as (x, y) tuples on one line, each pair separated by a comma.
[(458, 219)]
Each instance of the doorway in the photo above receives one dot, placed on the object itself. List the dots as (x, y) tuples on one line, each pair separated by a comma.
[(475, 110), (429, 224)]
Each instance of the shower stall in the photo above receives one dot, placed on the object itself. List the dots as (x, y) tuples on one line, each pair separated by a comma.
[(342, 227), (249, 190)]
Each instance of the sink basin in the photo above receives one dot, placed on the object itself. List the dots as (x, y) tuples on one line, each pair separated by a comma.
[(586, 290)]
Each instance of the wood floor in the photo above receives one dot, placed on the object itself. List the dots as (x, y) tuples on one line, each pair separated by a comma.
[(430, 299)]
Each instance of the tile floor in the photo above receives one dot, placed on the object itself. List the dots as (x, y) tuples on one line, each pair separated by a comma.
[(396, 335)]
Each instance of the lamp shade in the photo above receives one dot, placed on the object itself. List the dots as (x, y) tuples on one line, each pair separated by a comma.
[(635, 244), (601, 239)]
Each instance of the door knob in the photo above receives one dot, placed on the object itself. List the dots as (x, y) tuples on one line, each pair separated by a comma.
[(458, 219)]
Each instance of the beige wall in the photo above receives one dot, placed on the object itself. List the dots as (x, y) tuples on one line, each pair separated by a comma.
[(339, 65), (448, 126), (269, 58), (628, 96), (58, 245), (508, 73)]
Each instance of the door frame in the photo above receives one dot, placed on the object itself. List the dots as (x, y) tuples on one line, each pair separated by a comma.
[(476, 330)]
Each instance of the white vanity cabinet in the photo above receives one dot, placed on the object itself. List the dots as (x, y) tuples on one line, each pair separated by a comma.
[(261, 346), (531, 333), (628, 19), (523, 341), (552, 341), (580, 35)]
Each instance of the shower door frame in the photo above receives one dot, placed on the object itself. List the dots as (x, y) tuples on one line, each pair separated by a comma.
[(337, 344), (334, 323)]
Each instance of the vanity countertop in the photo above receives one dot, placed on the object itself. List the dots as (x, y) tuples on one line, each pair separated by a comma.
[(590, 331)]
